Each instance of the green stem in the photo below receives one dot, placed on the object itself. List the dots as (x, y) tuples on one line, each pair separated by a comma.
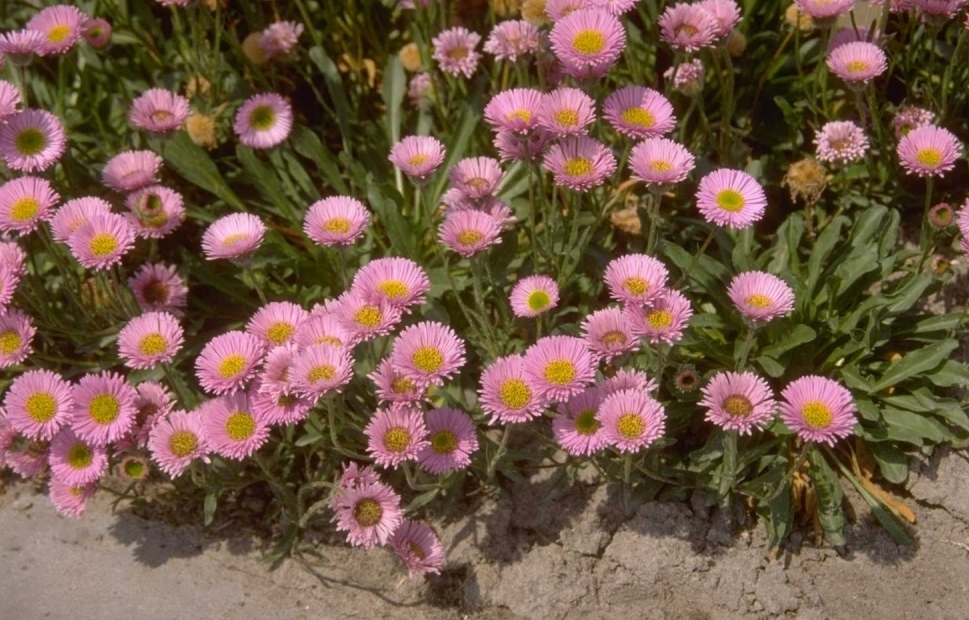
[(502, 449), (925, 239), (653, 212), (696, 258), (728, 470)]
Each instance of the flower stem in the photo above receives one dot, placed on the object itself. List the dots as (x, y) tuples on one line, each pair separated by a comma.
[(502, 449)]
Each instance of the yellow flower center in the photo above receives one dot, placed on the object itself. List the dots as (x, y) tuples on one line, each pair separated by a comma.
[(586, 423), (80, 456), (30, 141), (153, 344), (321, 372), (394, 289), (368, 316), (418, 159), (816, 414), (737, 406), (857, 66), (230, 240), (630, 425), (104, 408), (685, 29), (538, 300), (515, 394), (183, 443), (279, 332), (24, 209), (929, 157), (559, 372), (103, 244), (427, 359), (41, 407), (660, 165), (468, 238), (262, 118), (636, 285), (659, 319), (578, 166), (337, 225), (240, 426), (397, 439), (403, 385), (330, 340), (58, 33), (638, 116), (458, 53), (367, 512), (588, 42), (232, 365), (567, 118), (522, 115), (9, 342), (758, 301), (730, 200), (613, 338), (444, 441)]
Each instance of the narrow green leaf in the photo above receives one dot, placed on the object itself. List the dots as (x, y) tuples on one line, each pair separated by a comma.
[(392, 91), (853, 268), (911, 293), (195, 166), (334, 85), (209, 506), (914, 363), (307, 144), (830, 495), (266, 182), (822, 247), (403, 239), (798, 335)]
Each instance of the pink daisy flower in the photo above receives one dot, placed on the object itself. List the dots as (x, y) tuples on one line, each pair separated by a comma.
[(469, 232), (233, 430), (337, 220), (659, 161), (419, 548), (631, 420), (909, 118), (395, 435), (818, 409), (608, 334), (454, 50), (664, 320), (850, 35), (507, 394), (279, 38), (38, 403), (276, 323), (228, 361), (514, 110), (75, 213), (320, 369), (158, 110), (104, 408), (580, 163), (533, 296), (150, 339), (476, 177), (635, 279), (27, 459), (576, 427), (102, 241), (512, 146), (32, 140), (428, 353), (419, 90), (20, 45), (761, 296), (280, 409), (731, 198), (559, 367), (824, 11), (274, 378), (263, 121), (9, 279), (841, 142), (368, 513), (364, 320), (177, 440), (75, 461), (616, 7), (566, 112), (398, 281), (739, 401), (626, 380), (417, 157), (511, 39), (16, 333), (688, 27), (13, 257), (131, 170), (158, 287), (322, 329), (96, 32), (9, 99), (725, 13), (354, 476), (857, 63), (25, 202), (587, 42), (234, 236), (928, 151), (155, 211), (639, 112), (451, 440), (153, 403), (393, 387), (69, 500), (61, 26), (557, 9)]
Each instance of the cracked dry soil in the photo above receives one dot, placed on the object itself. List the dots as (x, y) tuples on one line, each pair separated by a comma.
[(531, 555)]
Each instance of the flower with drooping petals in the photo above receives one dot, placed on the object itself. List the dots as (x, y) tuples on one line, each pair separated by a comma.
[(857, 63), (513, 146), (13, 257), (337, 220), (510, 39), (688, 27), (32, 140), (841, 142), (616, 7), (725, 13), (639, 112), (159, 287), (533, 296), (275, 378), (395, 435), (818, 409), (626, 380), (75, 213), (16, 333), (279, 38), (428, 353), (688, 77), (507, 395), (24, 202), (9, 99), (104, 408), (61, 26), (476, 177), (731, 198), (454, 50), (451, 439), (26, 458), (664, 320), (635, 278), (608, 333), (69, 500), (322, 329), (566, 112), (393, 387), (131, 170), (824, 12), (158, 110), (469, 232), (659, 161), (263, 121), (557, 9), (419, 548), (417, 157), (576, 427), (631, 420), (276, 323), (398, 281), (102, 240), (354, 476), (850, 35), (364, 320), (739, 401), (761, 296), (96, 32), (154, 211), (228, 361), (559, 367), (233, 236), (320, 369), (9, 279), (929, 151), (909, 118), (232, 428), (514, 110), (368, 513), (38, 403), (580, 163), (20, 45), (150, 339), (587, 42), (177, 440), (75, 461), (283, 408)]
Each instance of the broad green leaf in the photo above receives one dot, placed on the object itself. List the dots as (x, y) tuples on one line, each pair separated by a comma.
[(822, 247), (895, 527), (798, 335), (950, 373), (914, 363), (941, 322), (913, 427), (892, 462), (853, 268), (911, 293), (829, 494), (195, 165), (403, 238), (852, 377)]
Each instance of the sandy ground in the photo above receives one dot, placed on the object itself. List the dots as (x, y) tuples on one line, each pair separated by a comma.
[(525, 556)]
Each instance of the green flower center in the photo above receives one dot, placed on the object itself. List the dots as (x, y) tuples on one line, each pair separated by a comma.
[(586, 423), (394, 289), (262, 118), (515, 394), (240, 426), (588, 42), (183, 443), (444, 441), (638, 116), (80, 456), (367, 512), (134, 469), (427, 359), (104, 408), (103, 244), (31, 141), (737, 406), (538, 300), (577, 167), (630, 425), (153, 344), (24, 209), (9, 341), (232, 365), (278, 333), (730, 200), (397, 439), (559, 372), (816, 414), (41, 407)]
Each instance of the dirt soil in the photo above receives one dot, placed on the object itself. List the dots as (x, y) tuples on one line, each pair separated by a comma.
[(528, 555)]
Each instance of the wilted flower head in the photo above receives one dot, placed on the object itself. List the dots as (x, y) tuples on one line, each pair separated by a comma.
[(687, 77), (279, 38), (806, 179), (9, 98), (419, 548), (909, 118)]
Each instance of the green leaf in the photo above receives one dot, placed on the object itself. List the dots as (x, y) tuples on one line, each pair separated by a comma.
[(266, 181), (830, 495), (334, 85), (458, 145), (895, 527), (938, 323), (914, 363), (307, 144), (950, 373), (913, 427), (771, 366), (403, 239), (778, 515), (822, 247), (209, 506), (910, 294), (892, 462), (798, 335), (195, 166), (853, 268), (852, 377), (392, 91)]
